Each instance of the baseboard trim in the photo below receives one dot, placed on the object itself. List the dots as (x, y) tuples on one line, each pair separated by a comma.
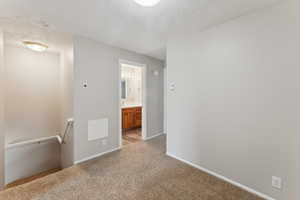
[(154, 136), (248, 189), (96, 156)]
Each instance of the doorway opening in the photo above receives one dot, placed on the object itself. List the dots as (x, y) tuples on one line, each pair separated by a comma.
[(132, 102)]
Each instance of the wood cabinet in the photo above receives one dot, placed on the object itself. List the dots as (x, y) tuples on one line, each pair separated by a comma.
[(131, 118), (138, 117)]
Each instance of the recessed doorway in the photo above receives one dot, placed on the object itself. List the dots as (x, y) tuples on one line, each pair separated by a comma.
[(132, 102)]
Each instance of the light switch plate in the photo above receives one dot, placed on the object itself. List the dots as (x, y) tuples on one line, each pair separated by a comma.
[(172, 86)]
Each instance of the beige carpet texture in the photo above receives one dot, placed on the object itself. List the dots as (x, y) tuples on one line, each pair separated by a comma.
[(140, 171)]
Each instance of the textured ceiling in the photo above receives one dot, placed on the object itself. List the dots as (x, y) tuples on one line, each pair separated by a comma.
[(17, 30), (123, 23)]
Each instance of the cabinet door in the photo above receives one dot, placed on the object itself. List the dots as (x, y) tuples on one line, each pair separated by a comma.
[(128, 120), (131, 119), (124, 120), (138, 117)]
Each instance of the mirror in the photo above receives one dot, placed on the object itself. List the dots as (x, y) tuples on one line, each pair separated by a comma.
[(124, 89)]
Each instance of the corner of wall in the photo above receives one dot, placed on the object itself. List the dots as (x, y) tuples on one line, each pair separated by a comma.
[(66, 87), (2, 129)]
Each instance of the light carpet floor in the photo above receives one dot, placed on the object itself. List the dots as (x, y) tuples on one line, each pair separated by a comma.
[(140, 171)]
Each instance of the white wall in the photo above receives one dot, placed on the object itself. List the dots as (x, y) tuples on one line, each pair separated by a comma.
[(66, 103), (235, 109), (98, 64), (28, 160), (2, 98), (165, 98), (32, 94)]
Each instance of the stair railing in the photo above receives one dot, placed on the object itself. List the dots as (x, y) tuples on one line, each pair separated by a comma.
[(69, 124)]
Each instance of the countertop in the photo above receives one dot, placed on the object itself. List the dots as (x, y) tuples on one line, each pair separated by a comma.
[(131, 106)]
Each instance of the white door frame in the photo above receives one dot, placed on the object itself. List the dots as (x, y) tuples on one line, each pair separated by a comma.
[(144, 98)]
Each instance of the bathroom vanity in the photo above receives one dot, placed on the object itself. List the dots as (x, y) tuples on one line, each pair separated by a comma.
[(131, 117)]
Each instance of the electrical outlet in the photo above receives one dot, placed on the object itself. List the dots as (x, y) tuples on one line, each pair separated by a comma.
[(276, 182), (104, 142)]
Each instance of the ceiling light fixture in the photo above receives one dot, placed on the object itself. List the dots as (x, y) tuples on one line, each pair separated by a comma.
[(147, 3), (35, 46)]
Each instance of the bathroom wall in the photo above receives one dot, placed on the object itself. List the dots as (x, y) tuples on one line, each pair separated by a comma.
[(133, 78), (32, 107)]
